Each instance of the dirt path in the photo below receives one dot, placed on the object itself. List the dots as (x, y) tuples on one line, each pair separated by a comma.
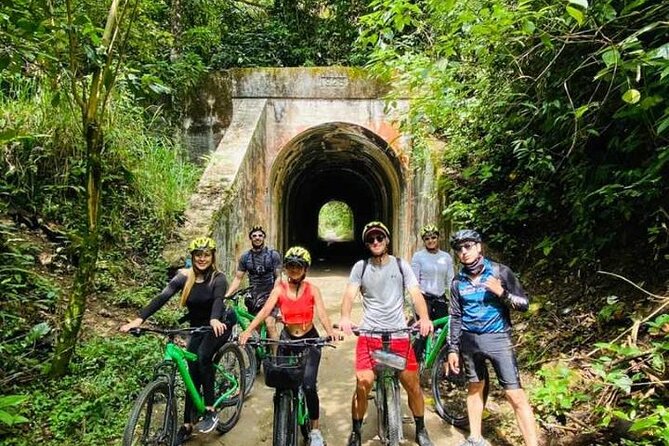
[(336, 383)]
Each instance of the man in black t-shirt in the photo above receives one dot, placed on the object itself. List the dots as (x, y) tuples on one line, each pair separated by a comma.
[(263, 266)]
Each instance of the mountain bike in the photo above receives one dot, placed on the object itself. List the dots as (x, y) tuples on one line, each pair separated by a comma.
[(389, 365), (448, 389), (153, 419), (253, 355), (285, 374)]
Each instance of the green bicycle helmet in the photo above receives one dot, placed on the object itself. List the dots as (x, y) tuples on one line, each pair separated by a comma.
[(428, 229), (375, 226), (297, 255), (201, 243)]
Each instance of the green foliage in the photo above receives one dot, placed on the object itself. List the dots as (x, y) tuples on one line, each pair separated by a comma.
[(335, 217), (554, 117), (559, 391), (90, 405), (9, 408)]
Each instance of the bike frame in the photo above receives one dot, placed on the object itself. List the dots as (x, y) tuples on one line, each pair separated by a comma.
[(180, 357), (433, 346), (244, 319), (385, 373)]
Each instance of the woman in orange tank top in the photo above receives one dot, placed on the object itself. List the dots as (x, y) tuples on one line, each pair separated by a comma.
[(298, 300)]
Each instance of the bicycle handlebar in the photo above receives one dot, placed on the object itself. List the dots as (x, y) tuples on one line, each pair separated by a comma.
[(358, 331), (325, 341), (137, 331), (237, 294)]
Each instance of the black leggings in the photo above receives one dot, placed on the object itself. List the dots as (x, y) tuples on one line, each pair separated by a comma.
[(436, 308), (205, 346), (312, 361)]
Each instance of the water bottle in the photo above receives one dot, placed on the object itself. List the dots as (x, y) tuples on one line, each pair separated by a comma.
[(389, 359)]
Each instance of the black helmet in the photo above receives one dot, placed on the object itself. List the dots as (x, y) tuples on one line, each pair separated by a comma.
[(464, 235), (257, 228)]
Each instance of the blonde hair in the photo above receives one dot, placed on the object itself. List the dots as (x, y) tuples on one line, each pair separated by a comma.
[(191, 276)]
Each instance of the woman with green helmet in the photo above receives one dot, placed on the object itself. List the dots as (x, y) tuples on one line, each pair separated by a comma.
[(299, 300), (202, 289)]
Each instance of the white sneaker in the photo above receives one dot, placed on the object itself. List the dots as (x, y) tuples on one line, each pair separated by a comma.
[(315, 438)]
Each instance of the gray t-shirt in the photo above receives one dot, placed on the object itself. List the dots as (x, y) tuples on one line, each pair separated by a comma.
[(382, 293), (433, 271)]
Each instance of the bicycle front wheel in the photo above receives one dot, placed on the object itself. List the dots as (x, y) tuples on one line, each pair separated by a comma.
[(153, 420), (450, 392), (230, 382), (285, 422), (393, 415)]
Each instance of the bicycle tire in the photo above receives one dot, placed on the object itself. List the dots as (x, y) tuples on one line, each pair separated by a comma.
[(251, 363), (393, 415), (450, 392), (229, 362), (285, 424), (158, 425), (381, 415)]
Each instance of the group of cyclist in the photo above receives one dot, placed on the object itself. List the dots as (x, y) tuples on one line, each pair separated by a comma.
[(479, 297)]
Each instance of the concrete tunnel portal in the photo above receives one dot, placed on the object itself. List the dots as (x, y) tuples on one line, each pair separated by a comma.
[(334, 161)]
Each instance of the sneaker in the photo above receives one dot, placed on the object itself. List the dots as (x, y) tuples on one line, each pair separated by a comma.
[(354, 439), (209, 422), (474, 442), (183, 435), (422, 438), (315, 438)]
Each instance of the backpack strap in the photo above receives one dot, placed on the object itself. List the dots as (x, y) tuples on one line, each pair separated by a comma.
[(364, 267)]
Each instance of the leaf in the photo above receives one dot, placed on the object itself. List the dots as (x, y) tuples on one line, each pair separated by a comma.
[(577, 14), (12, 400), (663, 125), (632, 96), (582, 3), (611, 57), (579, 112), (661, 52)]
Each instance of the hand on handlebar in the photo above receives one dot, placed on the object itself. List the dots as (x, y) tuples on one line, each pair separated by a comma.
[(346, 326), (425, 326), (243, 337), (130, 325), (218, 327)]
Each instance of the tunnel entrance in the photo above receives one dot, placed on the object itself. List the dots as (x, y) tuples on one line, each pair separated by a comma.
[(334, 161)]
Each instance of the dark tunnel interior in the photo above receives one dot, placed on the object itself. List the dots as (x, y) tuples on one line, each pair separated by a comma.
[(335, 161)]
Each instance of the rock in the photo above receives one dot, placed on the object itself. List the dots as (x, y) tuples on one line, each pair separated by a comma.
[(104, 312)]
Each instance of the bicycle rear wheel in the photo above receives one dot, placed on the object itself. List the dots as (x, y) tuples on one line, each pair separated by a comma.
[(230, 385), (450, 392), (153, 419)]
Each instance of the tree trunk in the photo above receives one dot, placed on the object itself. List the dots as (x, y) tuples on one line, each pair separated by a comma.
[(85, 275)]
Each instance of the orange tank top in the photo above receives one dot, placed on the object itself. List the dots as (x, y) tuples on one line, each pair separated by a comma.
[(300, 310)]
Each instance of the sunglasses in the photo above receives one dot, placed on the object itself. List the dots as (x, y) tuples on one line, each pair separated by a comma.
[(257, 236), (466, 245), (432, 237), (375, 238)]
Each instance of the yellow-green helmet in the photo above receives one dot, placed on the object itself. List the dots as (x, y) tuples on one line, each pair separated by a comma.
[(374, 226), (297, 255), (428, 229), (201, 243)]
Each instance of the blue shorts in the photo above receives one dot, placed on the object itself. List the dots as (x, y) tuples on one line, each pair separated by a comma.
[(497, 348)]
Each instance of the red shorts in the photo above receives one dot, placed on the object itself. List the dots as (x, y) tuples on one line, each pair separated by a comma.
[(367, 344)]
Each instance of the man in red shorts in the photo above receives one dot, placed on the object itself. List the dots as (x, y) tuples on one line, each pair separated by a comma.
[(382, 280)]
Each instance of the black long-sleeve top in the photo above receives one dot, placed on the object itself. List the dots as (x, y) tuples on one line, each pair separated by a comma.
[(205, 301)]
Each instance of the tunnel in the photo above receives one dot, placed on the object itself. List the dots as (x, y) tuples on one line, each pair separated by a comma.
[(334, 161)]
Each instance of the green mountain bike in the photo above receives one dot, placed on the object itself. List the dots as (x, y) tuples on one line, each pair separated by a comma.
[(285, 374), (154, 420), (448, 389), (253, 354)]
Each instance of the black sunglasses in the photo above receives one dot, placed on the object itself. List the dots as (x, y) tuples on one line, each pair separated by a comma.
[(378, 238)]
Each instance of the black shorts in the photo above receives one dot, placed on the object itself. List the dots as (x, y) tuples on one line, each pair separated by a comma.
[(497, 348)]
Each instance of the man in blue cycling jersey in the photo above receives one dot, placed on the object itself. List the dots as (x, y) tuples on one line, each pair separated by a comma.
[(482, 295)]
